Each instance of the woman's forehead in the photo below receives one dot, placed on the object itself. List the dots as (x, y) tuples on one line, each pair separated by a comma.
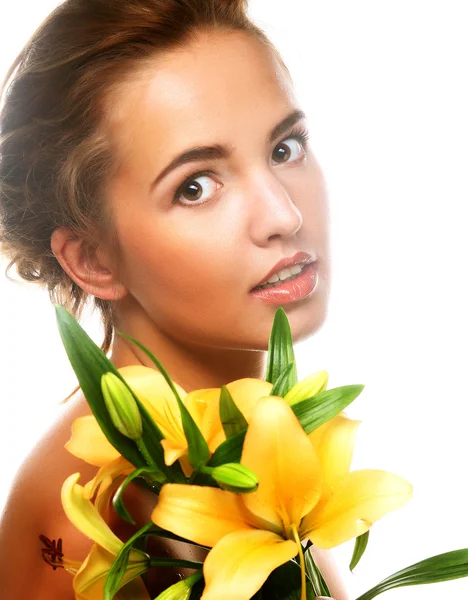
[(211, 87)]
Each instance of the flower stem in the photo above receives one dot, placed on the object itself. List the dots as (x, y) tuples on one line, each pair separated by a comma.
[(174, 562), (301, 562)]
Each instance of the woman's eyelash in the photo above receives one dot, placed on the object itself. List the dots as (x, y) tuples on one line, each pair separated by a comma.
[(299, 133)]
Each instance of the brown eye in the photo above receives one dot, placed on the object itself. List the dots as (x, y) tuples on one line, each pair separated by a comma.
[(198, 185), (192, 191), (283, 152)]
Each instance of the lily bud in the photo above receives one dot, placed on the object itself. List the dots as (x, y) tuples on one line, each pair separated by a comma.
[(180, 590), (123, 409), (236, 478), (307, 387)]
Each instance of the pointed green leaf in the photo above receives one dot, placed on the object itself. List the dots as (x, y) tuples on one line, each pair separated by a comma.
[(90, 363), (359, 547), (283, 384), (315, 411), (280, 349), (117, 571), (117, 500), (284, 583), (231, 417), (197, 590), (198, 451), (230, 451), (443, 567), (313, 572)]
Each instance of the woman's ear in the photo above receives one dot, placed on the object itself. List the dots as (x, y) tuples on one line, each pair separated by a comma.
[(90, 269)]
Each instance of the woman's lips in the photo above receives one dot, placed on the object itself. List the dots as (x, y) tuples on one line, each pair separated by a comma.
[(291, 291), (300, 258)]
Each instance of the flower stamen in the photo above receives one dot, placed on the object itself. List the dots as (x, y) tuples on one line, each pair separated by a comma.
[(301, 561), (53, 555)]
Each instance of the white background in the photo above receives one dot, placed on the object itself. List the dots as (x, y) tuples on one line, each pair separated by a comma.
[(384, 87)]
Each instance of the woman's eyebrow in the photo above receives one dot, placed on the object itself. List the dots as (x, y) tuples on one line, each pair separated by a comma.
[(218, 151)]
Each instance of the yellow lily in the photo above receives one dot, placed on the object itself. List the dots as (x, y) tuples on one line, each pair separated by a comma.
[(88, 582), (203, 404), (305, 491), (157, 397), (89, 443), (106, 475)]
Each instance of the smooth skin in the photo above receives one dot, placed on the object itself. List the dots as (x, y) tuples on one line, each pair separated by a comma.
[(186, 264)]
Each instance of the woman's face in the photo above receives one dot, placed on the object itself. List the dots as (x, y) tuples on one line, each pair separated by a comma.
[(195, 241)]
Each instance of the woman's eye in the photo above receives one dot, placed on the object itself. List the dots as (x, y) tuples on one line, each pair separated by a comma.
[(291, 147), (196, 189)]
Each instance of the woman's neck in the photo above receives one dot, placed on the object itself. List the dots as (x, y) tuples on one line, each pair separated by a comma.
[(190, 366)]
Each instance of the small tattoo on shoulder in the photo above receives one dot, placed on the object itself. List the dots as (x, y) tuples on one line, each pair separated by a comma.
[(52, 552)]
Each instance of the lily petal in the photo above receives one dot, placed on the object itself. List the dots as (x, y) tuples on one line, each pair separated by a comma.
[(362, 498), (246, 392), (202, 406), (173, 450), (86, 518), (200, 514), (237, 567), (89, 443), (280, 454), (106, 475), (334, 444), (104, 498)]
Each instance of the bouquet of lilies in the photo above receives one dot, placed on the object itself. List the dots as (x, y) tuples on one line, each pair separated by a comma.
[(255, 472)]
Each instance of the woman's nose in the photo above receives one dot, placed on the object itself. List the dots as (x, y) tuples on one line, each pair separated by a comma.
[(273, 210)]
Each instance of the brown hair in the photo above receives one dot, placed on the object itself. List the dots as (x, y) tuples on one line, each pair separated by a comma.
[(55, 157)]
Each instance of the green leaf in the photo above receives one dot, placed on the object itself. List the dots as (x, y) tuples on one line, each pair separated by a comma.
[(359, 547), (280, 350), (197, 590), (443, 567), (284, 583), (117, 500), (90, 363), (318, 409), (198, 451), (231, 417), (155, 561), (282, 384), (229, 451), (120, 564), (313, 572)]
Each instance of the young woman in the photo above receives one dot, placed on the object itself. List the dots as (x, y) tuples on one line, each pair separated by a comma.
[(154, 158)]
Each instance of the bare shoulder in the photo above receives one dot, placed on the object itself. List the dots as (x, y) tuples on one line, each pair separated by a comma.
[(34, 508)]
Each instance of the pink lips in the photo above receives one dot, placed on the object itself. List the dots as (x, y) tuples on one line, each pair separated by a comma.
[(296, 289), (300, 258)]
